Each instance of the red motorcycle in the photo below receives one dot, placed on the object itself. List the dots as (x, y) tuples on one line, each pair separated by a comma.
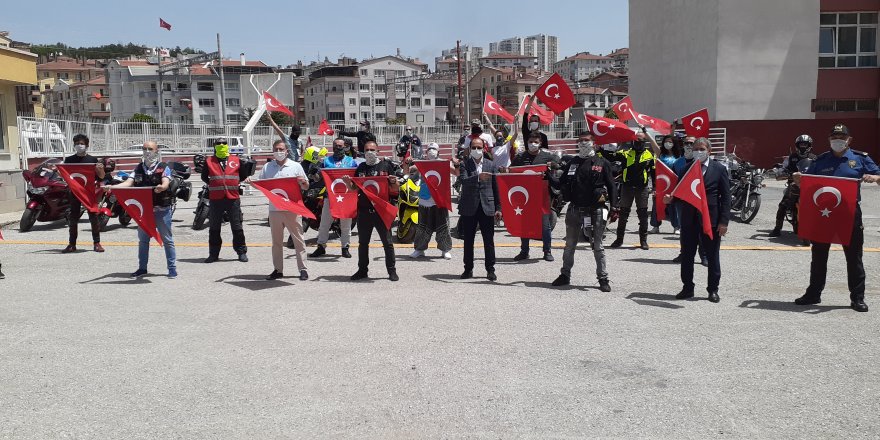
[(47, 195)]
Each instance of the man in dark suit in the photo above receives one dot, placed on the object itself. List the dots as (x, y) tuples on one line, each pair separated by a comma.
[(717, 185), (478, 206)]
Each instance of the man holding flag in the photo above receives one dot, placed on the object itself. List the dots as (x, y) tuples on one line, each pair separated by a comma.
[(81, 146), (337, 160), (703, 196), (280, 219), (151, 172), (840, 161)]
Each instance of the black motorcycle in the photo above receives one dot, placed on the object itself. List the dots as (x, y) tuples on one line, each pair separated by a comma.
[(792, 195), (746, 181)]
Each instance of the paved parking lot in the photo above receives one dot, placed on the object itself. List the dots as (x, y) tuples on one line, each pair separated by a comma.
[(86, 352)]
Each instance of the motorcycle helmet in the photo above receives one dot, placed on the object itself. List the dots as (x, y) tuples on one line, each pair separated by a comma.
[(803, 143), (109, 165), (312, 154)]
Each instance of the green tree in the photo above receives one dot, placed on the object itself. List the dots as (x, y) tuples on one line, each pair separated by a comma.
[(610, 114), (282, 119), (400, 120), (140, 117)]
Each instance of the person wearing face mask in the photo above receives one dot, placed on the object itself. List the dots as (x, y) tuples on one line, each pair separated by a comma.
[(803, 146), (337, 160), (477, 132), (587, 183), (534, 155), (349, 151), (505, 146), (637, 166), (81, 146), (223, 173), (363, 136), (432, 219), (280, 219), (668, 154), (292, 141), (413, 145), (532, 125), (841, 161), (368, 218), (717, 184), (478, 206)]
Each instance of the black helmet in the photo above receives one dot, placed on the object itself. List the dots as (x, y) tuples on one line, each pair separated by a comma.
[(803, 143)]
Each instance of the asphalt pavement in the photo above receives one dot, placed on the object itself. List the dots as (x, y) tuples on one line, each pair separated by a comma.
[(87, 352)]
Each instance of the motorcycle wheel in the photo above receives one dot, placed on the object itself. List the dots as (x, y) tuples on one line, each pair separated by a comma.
[(406, 232), (124, 219), (750, 210), (103, 219), (200, 218), (28, 218)]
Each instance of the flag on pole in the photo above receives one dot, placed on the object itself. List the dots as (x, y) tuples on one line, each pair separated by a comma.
[(608, 131), (623, 109), (164, 24), (697, 124), (556, 94), (274, 105), (491, 107), (324, 128), (138, 203)]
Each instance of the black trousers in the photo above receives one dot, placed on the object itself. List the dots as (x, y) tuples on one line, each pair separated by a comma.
[(216, 210), (367, 221), (855, 270), (468, 232), (692, 236), (73, 220)]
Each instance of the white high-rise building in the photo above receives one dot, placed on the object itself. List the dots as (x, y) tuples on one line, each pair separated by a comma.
[(544, 47)]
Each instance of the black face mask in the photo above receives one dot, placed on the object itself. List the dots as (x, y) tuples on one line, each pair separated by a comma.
[(338, 152), (476, 130), (638, 145)]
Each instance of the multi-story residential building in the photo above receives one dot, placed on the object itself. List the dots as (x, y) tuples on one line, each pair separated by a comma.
[(582, 66), (767, 70), (544, 47), (79, 100), (621, 58), (19, 69), (593, 100), (508, 86), (471, 54), (376, 90), (507, 45), (70, 70), (509, 60), (610, 79)]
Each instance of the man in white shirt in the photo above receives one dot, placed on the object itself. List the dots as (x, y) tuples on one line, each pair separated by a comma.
[(280, 219), (477, 132), (505, 146)]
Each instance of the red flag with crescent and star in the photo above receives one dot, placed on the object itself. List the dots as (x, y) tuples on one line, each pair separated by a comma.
[(692, 190), (284, 193), (623, 109), (697, 124), (491, 107), (556, 94), (164, 24), (435, 174), (659, 125), (324, 128), (827, 208), (343, 204), (80, 178), (521, 218), (664, 182), (274, 105), (536, 169), (376, 189), (608, 131), (545, 116), (138, 203)]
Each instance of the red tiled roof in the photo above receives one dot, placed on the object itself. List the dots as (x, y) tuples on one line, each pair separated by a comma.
[(131, 63), (624, 51), (66, 64), (586, 56)]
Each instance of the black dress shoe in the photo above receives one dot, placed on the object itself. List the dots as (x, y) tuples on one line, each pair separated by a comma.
[(677, 259), (685, 294), (713, 297), (616, 243), (644, 245), (466, 275), (775, 233), (521, 256), (604, 285), (807, 300), (561, 280), (859, 306), (491, 276), (345, 252), (359, 275), (548, 256), (303, 275), (704, 262), (392, 275), (319, 251), (275, 275), (212, 259), (243, 258)]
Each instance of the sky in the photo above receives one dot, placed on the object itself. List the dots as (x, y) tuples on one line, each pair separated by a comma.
[(282, 32)]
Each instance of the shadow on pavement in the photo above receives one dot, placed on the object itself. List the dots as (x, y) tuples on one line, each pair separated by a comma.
[(654, 300), (787, 238), (347, 278), (651, 260), (479, 278), (788, 306), (121, 278), (253, 282)]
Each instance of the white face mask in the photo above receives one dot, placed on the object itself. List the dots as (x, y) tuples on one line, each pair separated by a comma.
[(371, 157), (838, 145), (701, 156), (688, 153), (668, 145), (280, 156), (150, 158), (534, 146), (432, 154), (476, 154), (585, 149), (80, 148), (533, 125)]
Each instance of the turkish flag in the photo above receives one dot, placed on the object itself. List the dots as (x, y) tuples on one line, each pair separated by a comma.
[(274, 105), (623, 109), (697, 124), (664, 182), (376, 189), (491, 107), (545, 116), (343, 204), (827, 208), (284, 193), (324, 128), (608, 131), (80, 178), (164, 24), (435, 174), (556, 94), (521, 218), (659, 125), (536, 169), (691, 190), (97, 95), (138, 203)]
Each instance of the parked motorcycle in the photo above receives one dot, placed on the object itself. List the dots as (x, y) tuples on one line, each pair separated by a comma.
[(108, 206), (792, 195), (203, 206), (746, 181), (47, 195), (407, 209)]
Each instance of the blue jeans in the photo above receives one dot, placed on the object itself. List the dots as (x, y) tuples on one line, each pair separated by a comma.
[(545, 235), (163, 224)]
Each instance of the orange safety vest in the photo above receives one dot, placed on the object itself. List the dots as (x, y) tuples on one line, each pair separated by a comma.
[(223, 184)]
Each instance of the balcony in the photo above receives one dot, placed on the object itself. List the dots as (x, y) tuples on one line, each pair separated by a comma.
[(148, 94)]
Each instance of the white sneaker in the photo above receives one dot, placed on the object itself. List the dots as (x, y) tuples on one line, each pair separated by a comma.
[(654, 230), (417, 254), (675, 231), (447, 256)]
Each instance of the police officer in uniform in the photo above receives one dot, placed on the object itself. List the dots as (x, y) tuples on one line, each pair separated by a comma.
[(637, 165), (841, 161), (587, 183), (223, 173), (803, 151)]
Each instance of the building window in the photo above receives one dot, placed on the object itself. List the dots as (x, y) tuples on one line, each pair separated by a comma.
[(365, 102), (207, 119), (400, 73), (231, 86), (365, 87), (205, 87), (845, 105), (363, 72), (427, 101), (335, 116), (352, 116), (166, 87), (416, 102), (182, 86), (365, 116), (380, 88), (528, 89), (380, 101), (350, 86), (352, 101), (441, 102), (233, 102), (153, 87), (167, 103), (379, 74), (380, 116), (414, 89), (400, 87), (400, 102), (206, 102), (2, 125), (848, 39)]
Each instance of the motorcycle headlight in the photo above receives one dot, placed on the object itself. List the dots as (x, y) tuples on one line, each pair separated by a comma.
[(758, 179), (37, 191)]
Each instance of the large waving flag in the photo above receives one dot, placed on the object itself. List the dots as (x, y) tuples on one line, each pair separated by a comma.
[(343, 203), (697, 124), (376, 189), (435, 174), (556, 94), (80, 178), (284, 193), (608, 131), (491, 107), (274, 105), (692, 190), (138, 203)]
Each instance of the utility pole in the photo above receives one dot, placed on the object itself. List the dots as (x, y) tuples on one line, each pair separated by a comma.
[(460, 102), (161, 101), (222, 84)]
